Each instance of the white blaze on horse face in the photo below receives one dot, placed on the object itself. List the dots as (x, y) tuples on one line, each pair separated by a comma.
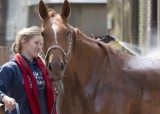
[(55, 27)]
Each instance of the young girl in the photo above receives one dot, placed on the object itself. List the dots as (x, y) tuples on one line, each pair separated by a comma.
[(24, 79)]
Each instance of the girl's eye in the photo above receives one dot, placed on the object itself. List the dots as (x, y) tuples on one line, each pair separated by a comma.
[(36, 42), (41, 44)]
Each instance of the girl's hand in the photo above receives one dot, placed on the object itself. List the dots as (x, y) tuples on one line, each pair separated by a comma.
[(9, 102)]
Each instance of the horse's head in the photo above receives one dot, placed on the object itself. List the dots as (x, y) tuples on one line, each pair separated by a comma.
[(57, 38)]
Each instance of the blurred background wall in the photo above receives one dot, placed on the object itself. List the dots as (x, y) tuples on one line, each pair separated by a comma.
[(3, 20), (135, 22), (89, 18), (158, 21)]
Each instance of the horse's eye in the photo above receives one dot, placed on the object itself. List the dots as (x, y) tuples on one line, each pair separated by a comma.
[(42, 33)]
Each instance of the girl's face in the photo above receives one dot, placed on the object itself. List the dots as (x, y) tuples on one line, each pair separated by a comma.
[(31, 48)]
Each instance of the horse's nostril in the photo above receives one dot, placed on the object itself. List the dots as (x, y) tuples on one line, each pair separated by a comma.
[(62, 66), (56, 66), (49, 66)]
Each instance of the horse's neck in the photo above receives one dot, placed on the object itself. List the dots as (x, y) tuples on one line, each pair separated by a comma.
[(86, 60), (86, 50)]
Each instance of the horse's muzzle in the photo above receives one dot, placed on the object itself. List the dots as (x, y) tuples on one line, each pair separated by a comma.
[(56, 70)]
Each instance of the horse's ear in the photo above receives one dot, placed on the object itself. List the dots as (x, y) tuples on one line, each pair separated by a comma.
[(43, 12), (66, 10)]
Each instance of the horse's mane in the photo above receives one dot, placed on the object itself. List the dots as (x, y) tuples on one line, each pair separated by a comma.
[(107, 47), (84, 38)]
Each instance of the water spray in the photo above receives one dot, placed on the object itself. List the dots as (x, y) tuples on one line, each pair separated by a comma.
[(109, 38)]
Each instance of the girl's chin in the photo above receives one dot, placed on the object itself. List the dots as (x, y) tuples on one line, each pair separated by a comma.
[(35, 56)]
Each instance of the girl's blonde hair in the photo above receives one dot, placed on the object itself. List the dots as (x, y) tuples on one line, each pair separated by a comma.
[(24, 34)]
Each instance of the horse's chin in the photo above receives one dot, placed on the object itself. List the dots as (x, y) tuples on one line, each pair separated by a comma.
[(54, 77)]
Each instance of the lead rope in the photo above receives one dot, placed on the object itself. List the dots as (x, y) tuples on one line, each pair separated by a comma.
[(56, 92), (17, 108)]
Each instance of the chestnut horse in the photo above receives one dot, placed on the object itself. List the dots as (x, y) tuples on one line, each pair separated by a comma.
[(96, 78)]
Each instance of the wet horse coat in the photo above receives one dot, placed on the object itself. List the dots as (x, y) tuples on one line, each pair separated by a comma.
[(97, 79)]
